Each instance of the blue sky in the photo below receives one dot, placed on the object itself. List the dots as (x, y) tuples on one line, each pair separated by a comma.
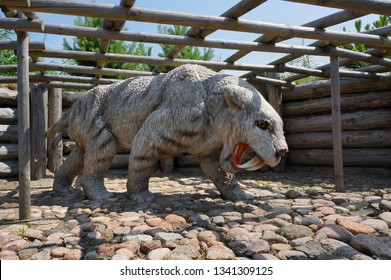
[(276, 11)]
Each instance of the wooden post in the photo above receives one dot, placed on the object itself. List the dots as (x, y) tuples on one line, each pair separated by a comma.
[(38, 126), (23, 126), (54, 113), (167, 165), (336, 123), (274, 95)]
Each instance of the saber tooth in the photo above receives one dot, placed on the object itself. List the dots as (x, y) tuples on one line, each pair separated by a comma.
[(257, 166), (254, 161)]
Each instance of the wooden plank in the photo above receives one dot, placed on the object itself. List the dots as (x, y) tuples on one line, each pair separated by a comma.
[(381, 7), (8, 115), (38, 127), (351, 157), (54, 144), (357, 101), (358, 120), (350, 139), (23, 126), (8, 133), (336, 124), (168, 17), (13, 45), (8, 96), (8, 168), (319, 89), (8, 151)]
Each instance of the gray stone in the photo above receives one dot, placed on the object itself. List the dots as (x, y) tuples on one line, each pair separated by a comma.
[(291, 194), (256, 247), (158, 254), (307, 220), (219, 252), (92, 255), (218, 220), (137, 236), (336, 232), (300, 241), (385, 205), (264, 257), (272, 237), (291, 255), (238, 234), (43, 255), (27, 253), (341, 249), (240, 247), (386, 216), (166, 237), (379, 246), (199, 219), (379, 225), (72, 240), (312, 249), (183, 252), (295, 231)]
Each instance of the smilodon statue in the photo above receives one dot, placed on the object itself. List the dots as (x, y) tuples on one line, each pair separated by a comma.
[(217, 117)]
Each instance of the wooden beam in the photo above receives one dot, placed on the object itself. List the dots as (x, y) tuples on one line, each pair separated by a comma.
[(38, 118), (13, 45), (54, 144), (168, 17), (323, 22), (276, 82), (23, 126), (184, 40), (68, 85), (381, 7), (234, 12), (336, 123), (42, 66)]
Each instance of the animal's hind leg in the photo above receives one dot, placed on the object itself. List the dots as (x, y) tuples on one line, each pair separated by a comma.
[(66, 172), (97, 160)]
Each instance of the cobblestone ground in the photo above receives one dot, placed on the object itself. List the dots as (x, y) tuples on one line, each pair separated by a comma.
[(295, 215)]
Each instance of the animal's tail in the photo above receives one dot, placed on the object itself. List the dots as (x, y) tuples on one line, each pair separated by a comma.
[(57, 126)]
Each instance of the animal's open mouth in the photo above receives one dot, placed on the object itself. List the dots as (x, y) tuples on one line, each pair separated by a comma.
[(241, 150)]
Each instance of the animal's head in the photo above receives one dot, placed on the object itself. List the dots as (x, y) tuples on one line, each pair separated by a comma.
[(251, 125)]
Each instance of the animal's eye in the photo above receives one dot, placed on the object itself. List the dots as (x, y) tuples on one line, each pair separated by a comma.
[(262, 124)]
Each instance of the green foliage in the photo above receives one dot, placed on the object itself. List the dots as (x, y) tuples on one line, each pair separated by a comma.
[(381, 22), (189, 52), (7, 57), (116, 46)]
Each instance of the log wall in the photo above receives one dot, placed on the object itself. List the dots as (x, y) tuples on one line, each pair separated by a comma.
[(365, 121)]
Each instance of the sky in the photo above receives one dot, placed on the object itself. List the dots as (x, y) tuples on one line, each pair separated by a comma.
[(274, 11)]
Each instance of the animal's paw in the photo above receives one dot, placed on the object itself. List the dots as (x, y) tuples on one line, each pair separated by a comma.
[(99, 195), (141, 197), (238, 195), (64, 190)]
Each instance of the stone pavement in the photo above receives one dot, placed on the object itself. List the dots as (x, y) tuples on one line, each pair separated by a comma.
[(295, 215)]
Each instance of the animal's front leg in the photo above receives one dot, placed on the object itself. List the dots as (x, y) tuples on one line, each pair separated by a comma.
[(225, 183), (140, 170)]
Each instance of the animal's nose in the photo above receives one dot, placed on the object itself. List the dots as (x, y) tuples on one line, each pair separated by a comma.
[(282, 152)]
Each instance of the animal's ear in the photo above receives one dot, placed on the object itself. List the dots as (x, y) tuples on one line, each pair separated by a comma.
[(238, 98)]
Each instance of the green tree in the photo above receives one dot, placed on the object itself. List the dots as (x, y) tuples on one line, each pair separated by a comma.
[(116, 46), (381, 22), (188, 52), (7, 57)]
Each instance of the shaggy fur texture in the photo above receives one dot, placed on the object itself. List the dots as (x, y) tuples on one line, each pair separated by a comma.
[(190, 109)]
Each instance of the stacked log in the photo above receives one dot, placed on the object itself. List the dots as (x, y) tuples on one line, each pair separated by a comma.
[(8, 133), (365, 121)]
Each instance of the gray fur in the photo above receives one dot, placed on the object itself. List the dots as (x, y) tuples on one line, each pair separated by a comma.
[(190, 109)]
